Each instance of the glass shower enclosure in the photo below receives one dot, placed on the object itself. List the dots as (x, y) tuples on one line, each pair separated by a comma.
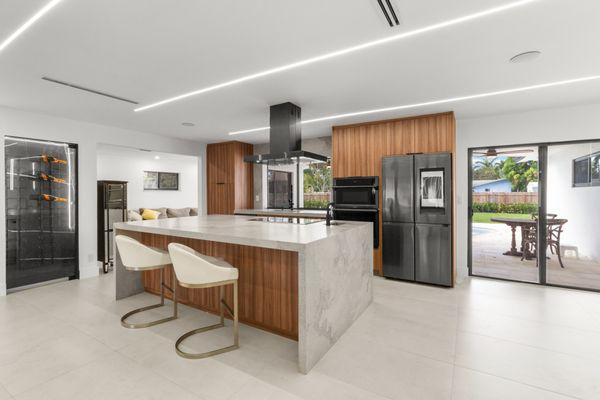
[(41, 211)]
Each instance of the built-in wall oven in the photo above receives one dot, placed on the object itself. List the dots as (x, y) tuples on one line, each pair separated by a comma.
[(357, 199)]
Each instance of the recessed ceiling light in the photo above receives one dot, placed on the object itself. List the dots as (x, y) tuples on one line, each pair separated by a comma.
[(157, 157), (28, 23), (435, 102), (344, 51), (188, 124), (526, 56)]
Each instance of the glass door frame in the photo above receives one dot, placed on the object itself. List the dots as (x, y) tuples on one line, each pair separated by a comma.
[(75, 147), (542, 210)]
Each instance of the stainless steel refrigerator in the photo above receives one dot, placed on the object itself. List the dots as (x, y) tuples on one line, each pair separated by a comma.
[(417, 218)]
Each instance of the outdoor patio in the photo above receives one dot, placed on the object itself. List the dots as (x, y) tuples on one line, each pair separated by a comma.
[(490, 241)]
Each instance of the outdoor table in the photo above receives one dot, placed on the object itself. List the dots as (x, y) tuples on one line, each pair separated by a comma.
[(524, 225), (515, 223)]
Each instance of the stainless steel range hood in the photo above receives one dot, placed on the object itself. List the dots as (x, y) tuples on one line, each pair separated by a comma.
[(285, 139)]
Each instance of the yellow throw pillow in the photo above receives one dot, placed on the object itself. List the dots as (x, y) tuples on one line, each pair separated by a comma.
[(150, 214)]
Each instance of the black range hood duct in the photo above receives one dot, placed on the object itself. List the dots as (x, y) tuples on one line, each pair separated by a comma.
[(285, 139)]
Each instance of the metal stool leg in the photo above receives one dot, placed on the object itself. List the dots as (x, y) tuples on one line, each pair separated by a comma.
[(162, 303), (234, 314)]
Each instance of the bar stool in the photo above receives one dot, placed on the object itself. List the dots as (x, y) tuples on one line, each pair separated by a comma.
[(193, 271), (138, 257)]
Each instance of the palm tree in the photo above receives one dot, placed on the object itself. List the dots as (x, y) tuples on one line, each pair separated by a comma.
[(486, 168)]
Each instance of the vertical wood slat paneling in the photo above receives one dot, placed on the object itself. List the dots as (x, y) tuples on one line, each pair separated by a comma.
[(229, 179), (268, 282), (357, 149)]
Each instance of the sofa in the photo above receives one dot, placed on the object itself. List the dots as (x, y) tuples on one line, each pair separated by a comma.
[(165, 212)]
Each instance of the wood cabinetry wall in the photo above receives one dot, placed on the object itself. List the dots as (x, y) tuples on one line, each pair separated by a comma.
[(229, 178), (358, 149)]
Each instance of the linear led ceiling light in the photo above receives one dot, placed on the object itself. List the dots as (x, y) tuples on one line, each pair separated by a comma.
[(434, 102), (342, 52), (28, 23)]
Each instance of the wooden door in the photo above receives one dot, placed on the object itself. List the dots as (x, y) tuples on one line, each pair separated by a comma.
[(220, 163), (220, 198)]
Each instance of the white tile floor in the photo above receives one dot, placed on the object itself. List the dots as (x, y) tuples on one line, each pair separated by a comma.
[(483, 340)]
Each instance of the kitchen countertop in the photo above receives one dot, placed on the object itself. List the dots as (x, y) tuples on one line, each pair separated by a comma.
[(239, 229), (283, 212)]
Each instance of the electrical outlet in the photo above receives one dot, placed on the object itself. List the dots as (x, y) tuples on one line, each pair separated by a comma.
[(257, 198)]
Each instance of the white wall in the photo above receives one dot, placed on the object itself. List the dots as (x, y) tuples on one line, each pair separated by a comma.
[(123, 164), (87, 136), (551, 125), (580, 205)]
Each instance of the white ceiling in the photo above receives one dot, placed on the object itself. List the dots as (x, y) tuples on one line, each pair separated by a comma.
[(113, 150), (148, 50)]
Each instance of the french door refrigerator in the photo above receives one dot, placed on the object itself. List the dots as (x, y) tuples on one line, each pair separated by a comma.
[(41, 211), (417, 218)]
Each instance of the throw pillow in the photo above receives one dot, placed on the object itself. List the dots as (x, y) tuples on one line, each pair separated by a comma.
[(133, 216), (162, 211), (150, 214), (178, 212)]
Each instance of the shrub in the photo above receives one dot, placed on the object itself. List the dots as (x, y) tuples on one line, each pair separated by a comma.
[(315, 203), (512, 208)]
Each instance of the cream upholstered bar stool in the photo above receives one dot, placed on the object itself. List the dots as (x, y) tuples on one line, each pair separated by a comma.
[(194, 270), (138, 257)]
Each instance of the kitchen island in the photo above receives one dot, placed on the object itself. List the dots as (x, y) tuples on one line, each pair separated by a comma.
[(303, 280)]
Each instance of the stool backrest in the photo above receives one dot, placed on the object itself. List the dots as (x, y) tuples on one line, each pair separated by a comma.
[(136, 255), (191, 268)]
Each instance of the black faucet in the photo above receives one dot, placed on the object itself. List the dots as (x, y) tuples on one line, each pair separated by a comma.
[(328, 216)]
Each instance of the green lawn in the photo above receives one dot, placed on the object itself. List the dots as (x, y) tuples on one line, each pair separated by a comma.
[(485, 217)]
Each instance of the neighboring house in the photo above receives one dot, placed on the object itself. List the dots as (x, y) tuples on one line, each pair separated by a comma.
[(532, 187), (494, 185)]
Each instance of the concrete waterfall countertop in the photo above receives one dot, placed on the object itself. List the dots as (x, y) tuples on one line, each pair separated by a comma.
[(283, 212), (241, 230), (335, 268)]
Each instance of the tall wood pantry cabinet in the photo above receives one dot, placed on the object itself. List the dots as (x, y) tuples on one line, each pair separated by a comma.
[(229, 178)]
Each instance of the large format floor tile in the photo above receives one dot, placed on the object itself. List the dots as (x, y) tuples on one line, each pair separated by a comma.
[(473, 385), (564, 339), (4, 395), (112, 377), (484, 339), (400, 374), (557, 372), (50, 359)]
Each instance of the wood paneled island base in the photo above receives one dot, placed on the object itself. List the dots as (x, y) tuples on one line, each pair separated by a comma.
[(268, 282), (307, 282)]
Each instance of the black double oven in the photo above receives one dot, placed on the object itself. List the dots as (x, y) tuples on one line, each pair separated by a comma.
[(357, 199)]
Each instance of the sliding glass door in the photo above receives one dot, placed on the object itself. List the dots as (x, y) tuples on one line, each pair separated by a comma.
[(573, 210), (543, 225), (504, 202)]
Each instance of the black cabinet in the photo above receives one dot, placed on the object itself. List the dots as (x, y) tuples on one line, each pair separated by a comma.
[(112, 208)]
